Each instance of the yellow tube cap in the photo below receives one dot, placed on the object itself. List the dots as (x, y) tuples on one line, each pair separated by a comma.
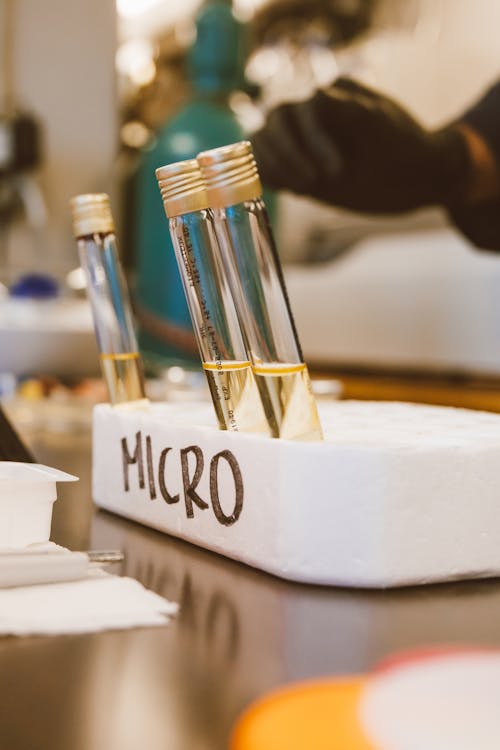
[(91, 214), (182, 188), (230, 174)]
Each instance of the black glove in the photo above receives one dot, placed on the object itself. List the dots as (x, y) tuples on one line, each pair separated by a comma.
[(358, 149)]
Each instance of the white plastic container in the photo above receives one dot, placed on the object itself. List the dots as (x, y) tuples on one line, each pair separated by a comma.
[(27, 494)]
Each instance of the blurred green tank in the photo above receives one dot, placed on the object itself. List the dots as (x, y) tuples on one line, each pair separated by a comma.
[(215, 63)]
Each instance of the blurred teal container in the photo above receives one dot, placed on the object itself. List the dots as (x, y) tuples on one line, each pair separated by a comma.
[(216, 68)]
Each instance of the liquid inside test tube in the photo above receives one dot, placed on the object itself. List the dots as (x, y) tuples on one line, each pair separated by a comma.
[(288, 400), (280, 372), (216, 326), (123, 376), (256, 278), (107, 292)]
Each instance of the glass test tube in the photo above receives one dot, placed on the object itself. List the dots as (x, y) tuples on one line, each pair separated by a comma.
[(246, 241), (215, 322), (121, 363)]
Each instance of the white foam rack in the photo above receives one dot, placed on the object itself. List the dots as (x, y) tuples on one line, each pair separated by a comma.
[(397, 494)]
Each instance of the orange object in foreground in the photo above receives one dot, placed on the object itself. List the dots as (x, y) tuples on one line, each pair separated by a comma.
[(310, 716)]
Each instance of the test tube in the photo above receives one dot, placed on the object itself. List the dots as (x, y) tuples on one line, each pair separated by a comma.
[(247, 244), (121, 363), (217, 330)]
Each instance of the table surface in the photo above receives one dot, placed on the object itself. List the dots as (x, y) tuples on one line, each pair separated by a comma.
[(239, 634)]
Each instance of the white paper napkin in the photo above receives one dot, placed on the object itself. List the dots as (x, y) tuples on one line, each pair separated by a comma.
[(99, 602)]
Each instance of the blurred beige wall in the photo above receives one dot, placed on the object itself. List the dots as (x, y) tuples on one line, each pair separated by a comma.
[(64, 54), (438, 60)]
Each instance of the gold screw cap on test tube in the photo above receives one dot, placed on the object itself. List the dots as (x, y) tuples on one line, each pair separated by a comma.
[(230, 174), (91, 214), (182, 188)]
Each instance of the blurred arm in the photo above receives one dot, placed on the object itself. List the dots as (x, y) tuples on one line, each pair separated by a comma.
[(478, 213), (355, 148)]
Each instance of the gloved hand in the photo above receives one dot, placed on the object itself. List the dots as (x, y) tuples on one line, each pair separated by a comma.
[(355, 148)]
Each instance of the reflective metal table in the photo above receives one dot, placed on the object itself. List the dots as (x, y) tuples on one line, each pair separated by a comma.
[(239, 633)]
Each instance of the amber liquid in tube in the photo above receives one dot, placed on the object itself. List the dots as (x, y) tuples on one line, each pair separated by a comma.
[(288, 401), (235, 396), (223, 354), (109, 300), (124, 377), (257, 285)]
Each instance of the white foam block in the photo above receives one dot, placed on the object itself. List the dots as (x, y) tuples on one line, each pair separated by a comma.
[(397, 494)]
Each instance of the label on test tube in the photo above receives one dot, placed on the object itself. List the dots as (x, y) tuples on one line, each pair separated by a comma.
[(231, 382), (235, 396)]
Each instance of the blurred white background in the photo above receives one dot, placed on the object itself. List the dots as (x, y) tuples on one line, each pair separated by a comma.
[(436, 56)]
